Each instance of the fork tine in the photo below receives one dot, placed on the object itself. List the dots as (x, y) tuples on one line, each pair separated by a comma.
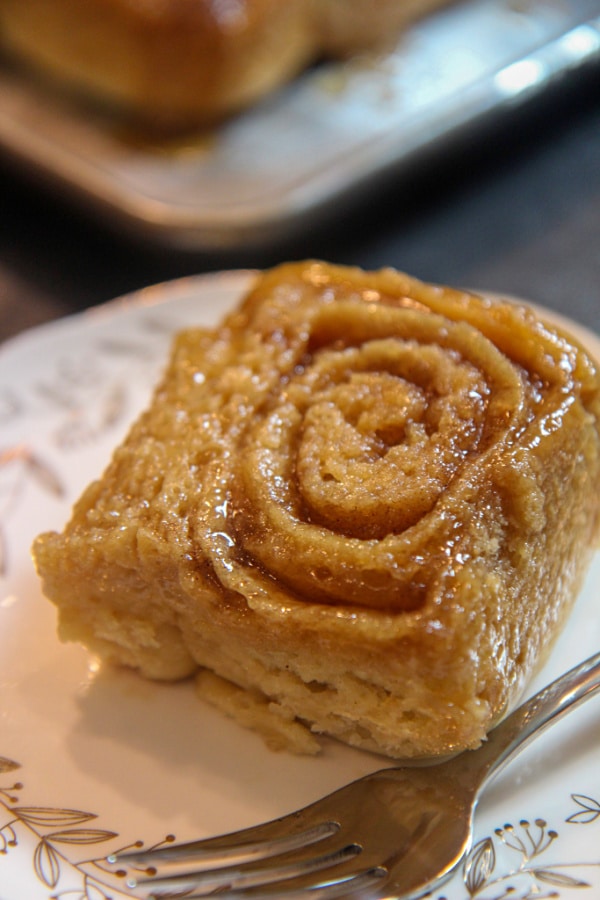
[(235, 848), (359, 884), (245, 877), (296, 830)]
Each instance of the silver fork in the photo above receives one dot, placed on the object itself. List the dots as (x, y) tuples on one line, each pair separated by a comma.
[(392, 835)]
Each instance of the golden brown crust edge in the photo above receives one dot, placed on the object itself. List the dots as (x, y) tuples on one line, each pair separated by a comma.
[(407, 682)]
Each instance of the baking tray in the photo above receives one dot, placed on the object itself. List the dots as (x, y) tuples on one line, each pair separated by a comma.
[(313, 145)]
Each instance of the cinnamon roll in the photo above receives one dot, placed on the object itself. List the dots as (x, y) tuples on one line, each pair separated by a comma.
[(363, 502)]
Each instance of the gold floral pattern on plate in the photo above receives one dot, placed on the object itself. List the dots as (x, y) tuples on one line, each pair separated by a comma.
[(56, 833)]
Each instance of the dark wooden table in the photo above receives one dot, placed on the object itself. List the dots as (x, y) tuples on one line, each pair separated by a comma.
[(516, 210)]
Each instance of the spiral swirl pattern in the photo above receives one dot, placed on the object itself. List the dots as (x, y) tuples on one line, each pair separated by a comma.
[(372, 432)]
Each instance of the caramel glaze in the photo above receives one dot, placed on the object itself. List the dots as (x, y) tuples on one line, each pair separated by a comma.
[(386, 433)]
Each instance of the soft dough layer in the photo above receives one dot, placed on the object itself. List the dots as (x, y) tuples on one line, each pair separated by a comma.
[(366, 500)]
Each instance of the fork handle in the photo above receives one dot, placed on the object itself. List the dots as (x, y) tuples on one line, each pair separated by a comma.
[(537, 713)]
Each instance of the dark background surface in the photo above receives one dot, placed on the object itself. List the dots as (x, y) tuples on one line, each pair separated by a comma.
[(513, 209)]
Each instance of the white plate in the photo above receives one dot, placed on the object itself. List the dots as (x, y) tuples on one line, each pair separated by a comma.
[(93, 760), (320, 142)]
